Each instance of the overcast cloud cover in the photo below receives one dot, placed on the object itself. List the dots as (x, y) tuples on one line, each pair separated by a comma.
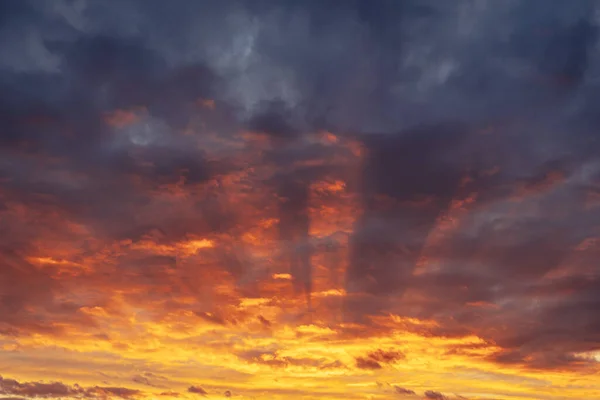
[(465, 132)]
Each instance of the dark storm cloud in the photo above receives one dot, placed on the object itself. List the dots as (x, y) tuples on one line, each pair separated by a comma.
[(411, 168), (272, 120), (493, 102)]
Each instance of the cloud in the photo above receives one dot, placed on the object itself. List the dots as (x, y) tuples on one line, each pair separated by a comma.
[(197, 390), (374, 359), (59, 389), (367, 363), (386, 356), (273, 359), (124, 393), (271, 119), (433, 395), (405, 160), (403, 391), (149, 379), (36, 389), (264, 321)]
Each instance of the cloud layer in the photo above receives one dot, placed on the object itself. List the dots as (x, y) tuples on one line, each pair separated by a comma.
[(214, 178)]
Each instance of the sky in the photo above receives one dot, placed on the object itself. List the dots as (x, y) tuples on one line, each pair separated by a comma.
[(319, 199)]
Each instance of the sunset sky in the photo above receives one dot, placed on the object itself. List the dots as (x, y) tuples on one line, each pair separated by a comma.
[(300, 200)]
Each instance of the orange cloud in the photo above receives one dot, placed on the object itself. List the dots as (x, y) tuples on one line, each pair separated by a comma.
[(194, 282), (123, 118), (206, 103)]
